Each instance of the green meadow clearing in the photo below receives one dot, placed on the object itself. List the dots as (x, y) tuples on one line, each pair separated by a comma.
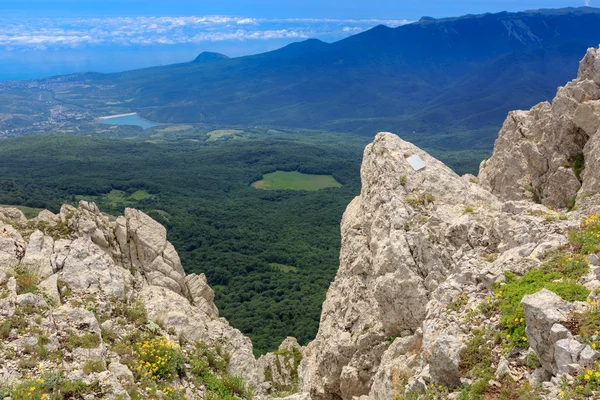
[(294, 180)]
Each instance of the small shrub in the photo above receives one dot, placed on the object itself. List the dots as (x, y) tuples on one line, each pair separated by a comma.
[(468, 210), (87, 341), (235, 385), (91, 366), (587, 238), (532, 361), (403, 180), (458, 302), (26, 280), (477, 352), (570, 266)]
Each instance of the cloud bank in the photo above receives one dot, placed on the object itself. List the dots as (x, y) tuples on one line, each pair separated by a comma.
[(46, 33)]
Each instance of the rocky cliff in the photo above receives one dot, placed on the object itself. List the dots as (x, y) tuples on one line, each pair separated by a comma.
[(427, 257), (93, 308)]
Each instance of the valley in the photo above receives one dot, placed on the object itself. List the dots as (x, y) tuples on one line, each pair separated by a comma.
[(268, 254)]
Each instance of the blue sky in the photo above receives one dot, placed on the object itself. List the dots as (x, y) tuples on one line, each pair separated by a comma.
[(393, 9), (48, 37)]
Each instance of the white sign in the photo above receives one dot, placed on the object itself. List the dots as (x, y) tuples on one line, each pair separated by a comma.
[(416, 162)]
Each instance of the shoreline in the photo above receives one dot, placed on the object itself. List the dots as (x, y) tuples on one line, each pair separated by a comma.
[(116, 116)]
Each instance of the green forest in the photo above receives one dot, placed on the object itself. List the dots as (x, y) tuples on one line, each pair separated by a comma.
[(270, 255)]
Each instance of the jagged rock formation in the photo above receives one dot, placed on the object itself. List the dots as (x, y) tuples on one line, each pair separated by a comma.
[(416, 243), (86, 262), (538, 152)]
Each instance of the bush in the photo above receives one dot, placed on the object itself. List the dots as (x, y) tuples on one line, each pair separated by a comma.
[(87, 341), (94, 366), (159, 359), (26, 280), (587, 239)]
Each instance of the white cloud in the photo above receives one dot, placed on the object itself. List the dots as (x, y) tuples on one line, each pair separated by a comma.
[(587, 3), (77, 32)]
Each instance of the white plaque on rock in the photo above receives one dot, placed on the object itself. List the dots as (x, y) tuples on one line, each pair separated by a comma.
[(416, 162)]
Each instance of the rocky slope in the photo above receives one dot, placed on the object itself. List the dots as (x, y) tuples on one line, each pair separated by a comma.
[(107, 308), (427, 254)]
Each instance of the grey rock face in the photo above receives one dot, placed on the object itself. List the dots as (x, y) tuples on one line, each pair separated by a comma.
[(536, 150), (91, 257), (279, 370), (202, 294), (543, 311), (143, 244)]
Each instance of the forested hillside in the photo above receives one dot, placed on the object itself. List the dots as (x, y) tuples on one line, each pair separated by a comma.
[(269, 255)]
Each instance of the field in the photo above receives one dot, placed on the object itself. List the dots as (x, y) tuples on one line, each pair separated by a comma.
[(294, 180)]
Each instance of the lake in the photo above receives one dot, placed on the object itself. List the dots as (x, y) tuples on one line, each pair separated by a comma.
[(127, 119)]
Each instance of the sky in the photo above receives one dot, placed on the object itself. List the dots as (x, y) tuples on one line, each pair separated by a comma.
[(48, 37)]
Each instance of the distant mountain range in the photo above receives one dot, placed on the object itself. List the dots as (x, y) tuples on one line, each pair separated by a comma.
[(445, 83)]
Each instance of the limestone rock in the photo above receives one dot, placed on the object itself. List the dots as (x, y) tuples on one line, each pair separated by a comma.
[(120, 371), (280, 368), (202, 294), (38, 255), (50, 286), (444, 360), (12, 214), (87, 267), (12, 247), (566, 352), (143, 243), (536, 150), (543, 310)]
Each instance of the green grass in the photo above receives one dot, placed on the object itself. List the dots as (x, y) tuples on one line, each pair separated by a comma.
[(294, 180), (511, 294)]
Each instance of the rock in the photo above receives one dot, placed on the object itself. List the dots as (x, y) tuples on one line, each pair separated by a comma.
[(535, 150), (593, 259), (566, 352), (543, 310), (12, 214), (143, 243), (280, 368), (50, 286), (539, 376), (558, 332), (78, 318), (444, 361), (503, 368), (588, 356), (38, 255), (192, 323), (202, 294), (47, 217), (12, 247), (31, 299), (88, 268), (120, 371)]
